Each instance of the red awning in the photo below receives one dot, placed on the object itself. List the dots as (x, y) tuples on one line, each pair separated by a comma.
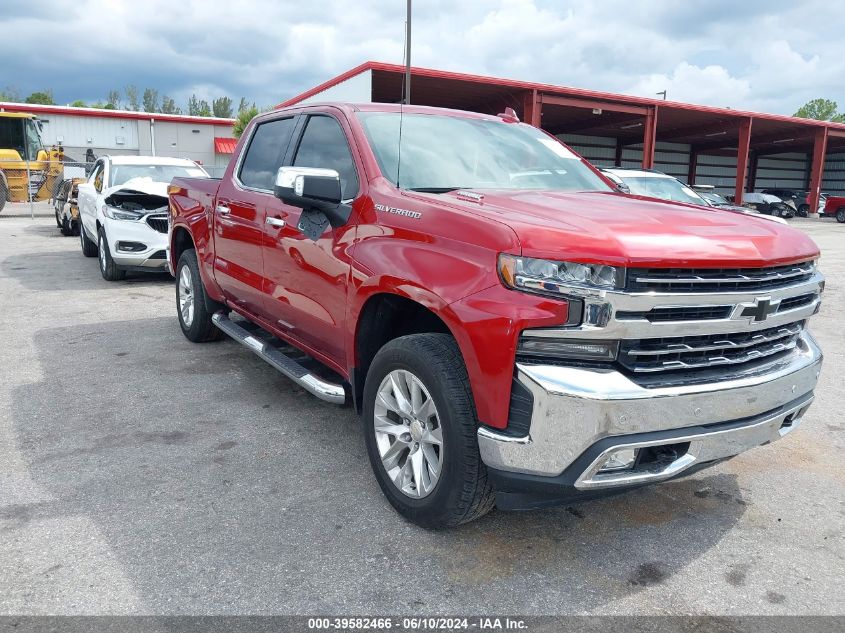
[(225, 145)]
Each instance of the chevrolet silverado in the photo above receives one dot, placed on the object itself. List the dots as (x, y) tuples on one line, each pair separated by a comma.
[(512, 330)]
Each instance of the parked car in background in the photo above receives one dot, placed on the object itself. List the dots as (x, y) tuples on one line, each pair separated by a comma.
[(769, 204), (66, 206), (834, 207), (656, 184), (797, 198), (511, 329), (123, 212)]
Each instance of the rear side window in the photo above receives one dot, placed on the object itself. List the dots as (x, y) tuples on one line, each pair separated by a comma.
[(324, 145), (264, 154)]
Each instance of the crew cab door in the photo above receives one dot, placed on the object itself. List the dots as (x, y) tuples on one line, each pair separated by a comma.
[(239, 212), (306, 279)]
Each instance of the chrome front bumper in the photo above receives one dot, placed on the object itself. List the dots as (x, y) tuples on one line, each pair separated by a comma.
[(575, 408)]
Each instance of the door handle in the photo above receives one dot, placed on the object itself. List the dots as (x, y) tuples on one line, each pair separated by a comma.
[(277, 222), (222, 209)]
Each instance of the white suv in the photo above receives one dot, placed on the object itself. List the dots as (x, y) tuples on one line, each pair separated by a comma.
[(123, 212)]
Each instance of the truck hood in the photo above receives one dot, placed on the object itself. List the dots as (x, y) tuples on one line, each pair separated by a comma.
[(615, 228)]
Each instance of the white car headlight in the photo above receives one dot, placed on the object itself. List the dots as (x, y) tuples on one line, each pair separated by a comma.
[(121, 214), (551, 277)]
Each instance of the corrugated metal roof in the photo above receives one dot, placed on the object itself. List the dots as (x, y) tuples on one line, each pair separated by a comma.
[(224, 145)]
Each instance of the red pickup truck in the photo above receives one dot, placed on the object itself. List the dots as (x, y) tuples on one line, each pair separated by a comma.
[(513, 330), (834, 207)]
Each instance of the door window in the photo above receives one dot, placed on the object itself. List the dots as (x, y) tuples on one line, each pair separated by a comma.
[(324, 145), (264, 154), (97, 177)]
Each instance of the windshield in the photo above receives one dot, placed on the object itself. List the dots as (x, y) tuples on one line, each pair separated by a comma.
[(33, 139), (441, 153), (121, 174), (715, 198), (663, 187)]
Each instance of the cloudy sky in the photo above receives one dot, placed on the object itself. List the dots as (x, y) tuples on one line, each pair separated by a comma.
[(768, 55)]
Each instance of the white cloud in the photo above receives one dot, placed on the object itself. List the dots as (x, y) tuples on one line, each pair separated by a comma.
[(711, 85), (771, 55)]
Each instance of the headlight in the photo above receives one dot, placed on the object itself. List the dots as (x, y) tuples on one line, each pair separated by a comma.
[(120, 214), (545, 276)]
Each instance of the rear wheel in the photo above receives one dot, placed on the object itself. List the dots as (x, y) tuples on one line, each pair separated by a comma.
[(192, 303), (89, 247), (420, 430), (109, 270), (840, 215), (4, 193), (803, 210)]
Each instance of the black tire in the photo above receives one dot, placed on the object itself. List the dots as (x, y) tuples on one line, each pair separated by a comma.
[(58, 217), (201, 328), (108, 269), (462, 493), (804, 211), (4, 193), (89, 247), (840, 215)]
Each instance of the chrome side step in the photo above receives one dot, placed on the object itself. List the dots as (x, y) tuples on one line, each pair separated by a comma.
[(327, 391)]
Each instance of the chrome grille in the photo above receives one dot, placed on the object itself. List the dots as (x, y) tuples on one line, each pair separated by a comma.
[(716, 279), (700, 352), (158, 222)]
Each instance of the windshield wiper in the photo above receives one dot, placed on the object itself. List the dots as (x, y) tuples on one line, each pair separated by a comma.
[(435, 189)]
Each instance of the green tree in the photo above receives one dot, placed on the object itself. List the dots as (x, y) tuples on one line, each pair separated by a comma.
[(113, 100), (243, 105), (198, 107), (244, 117), (150, 100), (45, 97), (222, 107), (821, 110), (168, 106), (131, 92), (79, 103), (103, 106), (10, 94)]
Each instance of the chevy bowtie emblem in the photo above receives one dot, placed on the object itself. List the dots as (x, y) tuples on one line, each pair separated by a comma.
[(760, 310)]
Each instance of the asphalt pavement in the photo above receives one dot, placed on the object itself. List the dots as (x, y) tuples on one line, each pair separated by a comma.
[(143, 474)]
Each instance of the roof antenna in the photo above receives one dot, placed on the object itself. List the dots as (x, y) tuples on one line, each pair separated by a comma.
[(406, 86)]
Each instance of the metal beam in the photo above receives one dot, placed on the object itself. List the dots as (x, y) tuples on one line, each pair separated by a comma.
[(693, 166), (743, 147), (649, 138), (817, 168), (532, 108), (752, 171), (592, 104), (698, 130)]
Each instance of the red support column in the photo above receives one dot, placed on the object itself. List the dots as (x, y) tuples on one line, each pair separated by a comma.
[(817, 168), (649, 138), (743, 147), (532, 108), (693, 166)]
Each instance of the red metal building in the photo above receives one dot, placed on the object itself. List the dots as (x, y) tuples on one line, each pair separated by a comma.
[(732, 149)]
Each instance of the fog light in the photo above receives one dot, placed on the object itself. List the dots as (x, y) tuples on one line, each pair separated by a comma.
[(568, 348), (622, 459)]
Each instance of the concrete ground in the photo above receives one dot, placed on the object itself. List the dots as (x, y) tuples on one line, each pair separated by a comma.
[(143, 474)]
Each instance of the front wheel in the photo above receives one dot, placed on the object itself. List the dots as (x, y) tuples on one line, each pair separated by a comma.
[(420, 430), (89, 247), (192, 304), (109, 270), (804, 211), (840, 215)]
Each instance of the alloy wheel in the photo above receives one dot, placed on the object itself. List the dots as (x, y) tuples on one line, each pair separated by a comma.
[(186, 296), (408, 434)]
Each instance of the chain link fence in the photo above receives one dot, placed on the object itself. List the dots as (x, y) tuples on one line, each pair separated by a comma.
[(39, 186)]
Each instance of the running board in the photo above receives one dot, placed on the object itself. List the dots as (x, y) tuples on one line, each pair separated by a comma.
[(326, 391)]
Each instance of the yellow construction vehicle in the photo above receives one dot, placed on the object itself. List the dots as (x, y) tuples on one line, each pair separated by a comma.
[(27, 170)]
